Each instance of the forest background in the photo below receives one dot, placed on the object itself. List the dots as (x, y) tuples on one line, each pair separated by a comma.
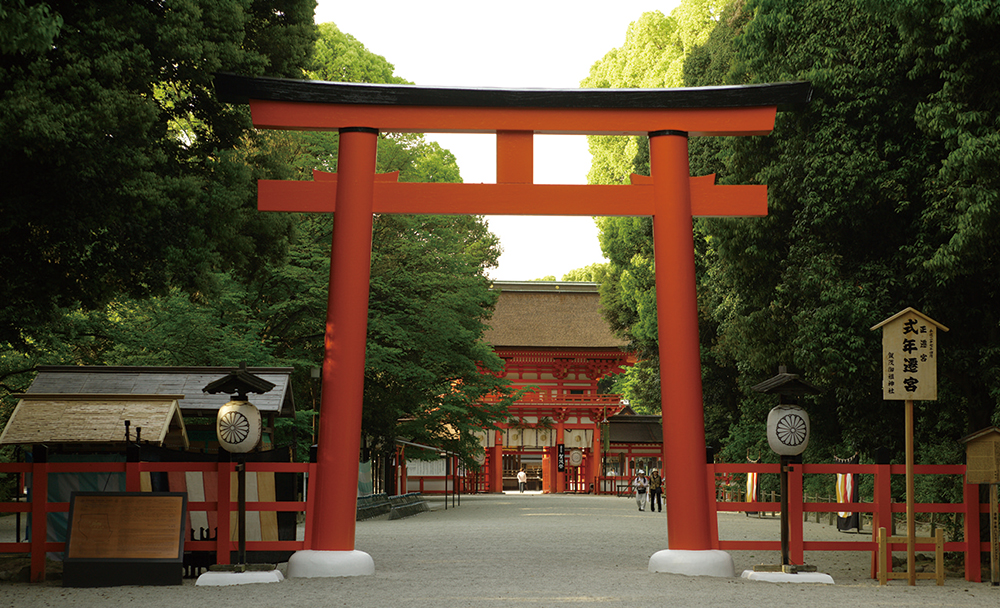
[(130, 234)]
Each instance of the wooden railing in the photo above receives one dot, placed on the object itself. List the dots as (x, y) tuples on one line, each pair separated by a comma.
[(222, 546), (881, 508)]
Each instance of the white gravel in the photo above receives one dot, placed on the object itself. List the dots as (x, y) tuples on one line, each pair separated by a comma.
[(536, 550)]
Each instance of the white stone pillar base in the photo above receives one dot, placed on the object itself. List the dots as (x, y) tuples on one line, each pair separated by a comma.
[(318, 564), (693, 563)]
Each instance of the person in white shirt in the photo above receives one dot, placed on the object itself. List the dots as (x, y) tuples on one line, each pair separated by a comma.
[(522, 479), (641, 485)]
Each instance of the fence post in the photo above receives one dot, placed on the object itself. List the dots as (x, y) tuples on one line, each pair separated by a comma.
[(224, 509), (133, 478), (310, 503), (39, 512), (796, 549), (973, 554), (713, 497), (882, 515)]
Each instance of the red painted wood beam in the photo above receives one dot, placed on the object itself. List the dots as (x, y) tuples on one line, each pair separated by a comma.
[(299, 116), (319, 196)]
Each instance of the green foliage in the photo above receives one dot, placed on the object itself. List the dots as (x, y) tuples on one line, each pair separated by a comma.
[(628, 291), (592, 273), (298, 432), (842, 246), (27, 28), (174, 330), (640, 386), (653, 55), (218, 282), (429, 303), (951, 46), (119, 166), (340, 57), (882, 194), (429, 297)]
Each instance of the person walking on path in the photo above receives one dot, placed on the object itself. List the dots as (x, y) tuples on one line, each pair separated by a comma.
[(641, 485), (655, 491), (522, 479)]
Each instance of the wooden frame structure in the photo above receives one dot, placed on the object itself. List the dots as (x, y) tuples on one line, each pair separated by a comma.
[(667, 116)]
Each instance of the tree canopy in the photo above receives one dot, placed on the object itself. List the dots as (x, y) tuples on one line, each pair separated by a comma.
[(122, 173), (222, 283), (430, 297), (880, 196)]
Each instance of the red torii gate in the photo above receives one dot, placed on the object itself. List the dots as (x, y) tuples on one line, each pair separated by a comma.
[(359, 112)]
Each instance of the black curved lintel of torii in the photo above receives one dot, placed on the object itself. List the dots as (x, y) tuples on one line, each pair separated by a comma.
[(232, 88)]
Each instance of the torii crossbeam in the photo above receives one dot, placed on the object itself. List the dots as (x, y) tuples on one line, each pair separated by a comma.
[(359, 112)]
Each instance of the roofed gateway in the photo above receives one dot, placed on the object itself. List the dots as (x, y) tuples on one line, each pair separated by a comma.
[(544, 314), (555, 342)]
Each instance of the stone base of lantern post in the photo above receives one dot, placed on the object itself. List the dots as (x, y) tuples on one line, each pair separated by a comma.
[(224, 578), (788, 577), (320, 564), (693, 563), (239, 574)]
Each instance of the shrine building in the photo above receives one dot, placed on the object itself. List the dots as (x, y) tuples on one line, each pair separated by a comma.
[(555, 342)]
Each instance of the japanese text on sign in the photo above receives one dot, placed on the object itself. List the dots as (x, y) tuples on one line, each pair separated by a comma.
[(909, 357)]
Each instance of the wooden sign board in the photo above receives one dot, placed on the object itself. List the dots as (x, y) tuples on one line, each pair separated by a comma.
[(982, 456), (909, 356), (125, 538)]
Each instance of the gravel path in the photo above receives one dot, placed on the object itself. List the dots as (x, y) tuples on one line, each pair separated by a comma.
[(536, 550)]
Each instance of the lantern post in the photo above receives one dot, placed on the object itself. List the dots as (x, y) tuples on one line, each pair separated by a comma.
[(238, 428), (787, 436)]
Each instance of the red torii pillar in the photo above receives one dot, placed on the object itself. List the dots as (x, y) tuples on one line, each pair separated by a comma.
[(669, 195)]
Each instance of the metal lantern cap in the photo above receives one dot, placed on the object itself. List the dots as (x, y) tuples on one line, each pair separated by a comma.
[(239, 382), (785, 384)]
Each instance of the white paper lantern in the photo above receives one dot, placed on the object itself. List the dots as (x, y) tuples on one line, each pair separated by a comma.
[(238, 426), (788, 430)]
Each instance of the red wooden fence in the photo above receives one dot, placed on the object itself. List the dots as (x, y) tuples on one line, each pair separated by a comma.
[(37, 546), (881, 507)]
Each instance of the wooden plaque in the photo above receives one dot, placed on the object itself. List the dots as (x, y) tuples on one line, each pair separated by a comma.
[(125, 538), (909, 356), (126, 525), (982, 457)]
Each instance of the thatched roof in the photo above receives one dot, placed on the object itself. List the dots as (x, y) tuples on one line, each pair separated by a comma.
[(95, 419), (540, 314), (186, 381)]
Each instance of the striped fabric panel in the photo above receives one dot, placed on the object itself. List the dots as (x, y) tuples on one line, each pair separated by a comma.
[(845, 490)]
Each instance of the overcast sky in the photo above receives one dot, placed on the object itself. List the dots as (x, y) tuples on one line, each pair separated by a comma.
[(510, 44)]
